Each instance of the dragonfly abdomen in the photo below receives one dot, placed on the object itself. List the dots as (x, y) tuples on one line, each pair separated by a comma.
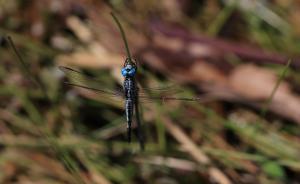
[(130, 97), (129, 111)]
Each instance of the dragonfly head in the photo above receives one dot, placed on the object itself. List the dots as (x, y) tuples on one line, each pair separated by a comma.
[(129, 69)]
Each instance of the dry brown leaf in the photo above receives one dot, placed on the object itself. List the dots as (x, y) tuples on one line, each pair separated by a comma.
[(202, 71), (96, 56), (173, 44), (154, 61), (199, 50), (257, 84), (79, 28)]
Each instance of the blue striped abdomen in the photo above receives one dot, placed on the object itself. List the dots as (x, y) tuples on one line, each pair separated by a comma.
[(130, 98)]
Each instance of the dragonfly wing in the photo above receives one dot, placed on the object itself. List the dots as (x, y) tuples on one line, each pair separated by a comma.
[(80, 80), (160, 98), (161, 91), (75, 75), (102, 91)]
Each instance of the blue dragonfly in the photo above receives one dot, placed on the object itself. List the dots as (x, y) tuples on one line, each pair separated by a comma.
[(130, 91)]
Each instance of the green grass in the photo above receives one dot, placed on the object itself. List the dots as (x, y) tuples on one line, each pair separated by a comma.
[(52, 133)]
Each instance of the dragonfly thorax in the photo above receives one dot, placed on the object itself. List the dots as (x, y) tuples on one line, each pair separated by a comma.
[(128, 70)]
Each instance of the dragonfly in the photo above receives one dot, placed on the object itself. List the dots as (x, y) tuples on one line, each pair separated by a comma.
[(129, 91)]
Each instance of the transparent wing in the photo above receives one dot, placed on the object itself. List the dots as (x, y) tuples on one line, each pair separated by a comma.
[(77, 75), (146, 95), (199, 99), (79, 79), (169, 93), (160, 90), (102, 91)]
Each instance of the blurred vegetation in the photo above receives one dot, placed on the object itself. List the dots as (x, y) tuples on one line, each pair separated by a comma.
[(233, 51)]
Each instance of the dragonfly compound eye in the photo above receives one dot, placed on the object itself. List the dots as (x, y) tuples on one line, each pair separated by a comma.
[(131, 72), (128, 71), (124, 72)]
